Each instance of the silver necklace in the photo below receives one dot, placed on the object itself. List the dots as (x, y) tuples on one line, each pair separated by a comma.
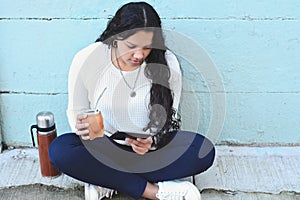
[(132, 93)]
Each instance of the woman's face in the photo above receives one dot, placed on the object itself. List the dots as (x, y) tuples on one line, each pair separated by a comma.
[(132, 51)]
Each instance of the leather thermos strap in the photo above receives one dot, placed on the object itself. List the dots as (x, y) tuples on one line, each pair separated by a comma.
[(40, 130)]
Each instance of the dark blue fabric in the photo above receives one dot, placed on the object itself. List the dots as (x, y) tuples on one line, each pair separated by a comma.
[(70, 156)]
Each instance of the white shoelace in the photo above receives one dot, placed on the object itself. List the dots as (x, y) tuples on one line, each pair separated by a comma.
[(170, 196), (93, 192), (105, 192)]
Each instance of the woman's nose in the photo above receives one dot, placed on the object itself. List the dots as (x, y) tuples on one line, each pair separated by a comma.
[(138, 54)]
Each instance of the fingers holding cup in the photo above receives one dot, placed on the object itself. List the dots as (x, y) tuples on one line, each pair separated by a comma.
[(94, 121)]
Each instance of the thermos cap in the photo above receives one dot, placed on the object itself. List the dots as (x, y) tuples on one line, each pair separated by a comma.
[(45, 119)]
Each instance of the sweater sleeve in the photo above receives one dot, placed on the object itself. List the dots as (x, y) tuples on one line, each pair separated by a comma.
[(77, 92), (175, 78)]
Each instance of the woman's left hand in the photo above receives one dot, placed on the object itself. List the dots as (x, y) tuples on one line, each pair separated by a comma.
[(139, 145)]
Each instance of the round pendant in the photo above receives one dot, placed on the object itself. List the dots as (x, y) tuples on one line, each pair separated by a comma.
[(132, 94)]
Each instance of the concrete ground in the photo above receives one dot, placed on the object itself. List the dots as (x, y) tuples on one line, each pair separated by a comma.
[(247, 173)]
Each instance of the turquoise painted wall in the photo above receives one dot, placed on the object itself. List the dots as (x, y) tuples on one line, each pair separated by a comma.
[(254, 44)]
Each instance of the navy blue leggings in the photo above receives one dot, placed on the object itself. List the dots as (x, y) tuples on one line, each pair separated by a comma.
[(69, 154)]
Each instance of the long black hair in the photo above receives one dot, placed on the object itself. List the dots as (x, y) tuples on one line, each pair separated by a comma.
[(128, 20)]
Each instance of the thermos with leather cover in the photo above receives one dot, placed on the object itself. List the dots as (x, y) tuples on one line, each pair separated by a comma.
[(46, 133)]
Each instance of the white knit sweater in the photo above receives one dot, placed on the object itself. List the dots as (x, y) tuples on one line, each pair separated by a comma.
[(92, 71)]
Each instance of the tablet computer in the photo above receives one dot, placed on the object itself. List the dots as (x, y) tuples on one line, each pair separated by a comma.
[(121, 135)]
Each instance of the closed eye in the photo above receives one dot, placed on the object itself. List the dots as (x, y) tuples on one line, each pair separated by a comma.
[(131, 46), (147, 47)]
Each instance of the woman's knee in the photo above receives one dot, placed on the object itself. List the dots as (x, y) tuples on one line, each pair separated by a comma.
[(59, 146), (206, 153)]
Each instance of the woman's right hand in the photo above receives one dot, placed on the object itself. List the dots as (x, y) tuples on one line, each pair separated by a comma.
[(82, 127)]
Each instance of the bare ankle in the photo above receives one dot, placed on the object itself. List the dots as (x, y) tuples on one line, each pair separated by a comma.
[(150, 191)]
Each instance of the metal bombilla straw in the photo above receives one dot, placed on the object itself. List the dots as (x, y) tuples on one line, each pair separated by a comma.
[(99, 99)]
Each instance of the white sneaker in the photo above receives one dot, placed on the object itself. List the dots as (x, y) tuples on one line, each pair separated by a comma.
[(177, 190), (93, 192)]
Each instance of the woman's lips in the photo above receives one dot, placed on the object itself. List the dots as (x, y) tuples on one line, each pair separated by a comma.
[(135, 62)]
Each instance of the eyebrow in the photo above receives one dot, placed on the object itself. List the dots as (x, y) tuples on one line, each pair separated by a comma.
[(130, 43)]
